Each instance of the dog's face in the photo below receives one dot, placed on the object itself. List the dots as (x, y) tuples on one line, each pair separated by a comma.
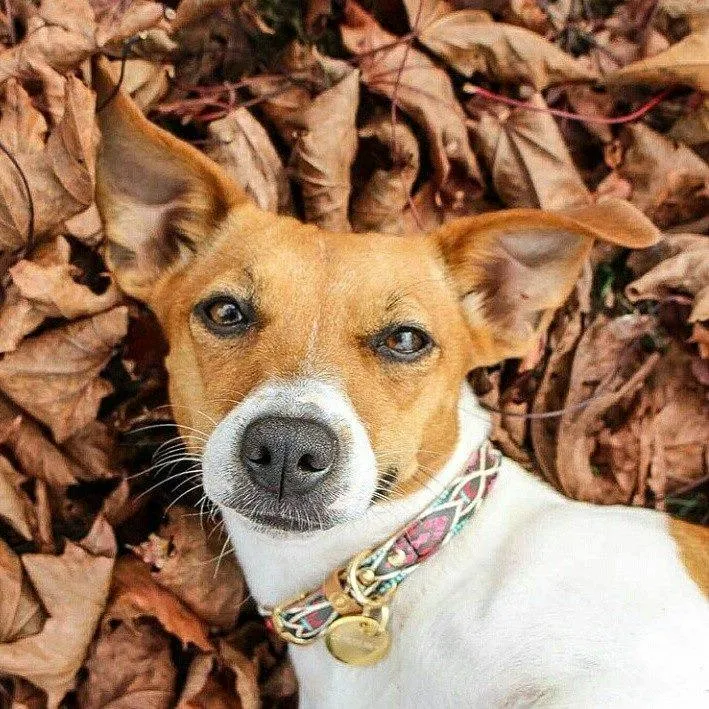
[(322, 371)]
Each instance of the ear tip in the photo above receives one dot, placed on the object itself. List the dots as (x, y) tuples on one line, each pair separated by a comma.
[(641, 231)]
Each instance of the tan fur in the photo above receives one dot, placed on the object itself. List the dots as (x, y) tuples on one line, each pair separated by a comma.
[(320, 296), (693, 543)]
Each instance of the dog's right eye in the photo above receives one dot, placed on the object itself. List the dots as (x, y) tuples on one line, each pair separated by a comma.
[(225, 315)]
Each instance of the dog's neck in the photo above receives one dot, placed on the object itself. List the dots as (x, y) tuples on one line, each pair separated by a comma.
[(281, 565)]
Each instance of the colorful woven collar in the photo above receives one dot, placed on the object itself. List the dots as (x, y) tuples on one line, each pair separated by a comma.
[(363, 588)]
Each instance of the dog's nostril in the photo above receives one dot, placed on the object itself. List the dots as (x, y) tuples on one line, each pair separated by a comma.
[(262, 457), (308, 465)]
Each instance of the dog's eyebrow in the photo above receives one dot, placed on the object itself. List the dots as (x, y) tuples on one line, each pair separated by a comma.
[(393, 301)]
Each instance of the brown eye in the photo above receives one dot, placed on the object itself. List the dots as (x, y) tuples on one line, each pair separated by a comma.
[(403, 343), (225, 315)]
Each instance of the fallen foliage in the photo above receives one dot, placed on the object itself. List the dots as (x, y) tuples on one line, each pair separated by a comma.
[(395, 117)]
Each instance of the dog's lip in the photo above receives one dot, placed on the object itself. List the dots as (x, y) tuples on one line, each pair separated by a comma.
[(284, 522)]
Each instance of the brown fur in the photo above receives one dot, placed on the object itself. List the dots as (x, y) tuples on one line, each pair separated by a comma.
[(693, 543), (180, 231)]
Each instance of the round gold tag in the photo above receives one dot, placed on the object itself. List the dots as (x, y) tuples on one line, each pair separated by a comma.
[(357, 640)]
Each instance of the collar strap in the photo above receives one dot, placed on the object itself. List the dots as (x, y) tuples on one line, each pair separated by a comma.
[(372, 576)]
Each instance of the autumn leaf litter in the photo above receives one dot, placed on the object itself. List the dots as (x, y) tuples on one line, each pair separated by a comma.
[(116, 585)]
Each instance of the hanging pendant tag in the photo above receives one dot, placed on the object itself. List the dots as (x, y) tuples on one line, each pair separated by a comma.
[(359, 639)]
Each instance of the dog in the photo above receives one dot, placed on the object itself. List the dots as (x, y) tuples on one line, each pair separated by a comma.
[(327, 374)]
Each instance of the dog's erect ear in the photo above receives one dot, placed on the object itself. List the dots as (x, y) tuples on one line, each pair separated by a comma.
[(513, 268), (158, 196)]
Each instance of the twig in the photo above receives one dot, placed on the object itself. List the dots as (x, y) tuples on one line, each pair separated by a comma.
[(582, 117)]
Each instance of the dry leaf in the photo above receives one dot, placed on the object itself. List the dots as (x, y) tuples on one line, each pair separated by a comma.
[(129, 665), (12, 505), (499, 51), (611, 366), (21, 614), (207, 687), (60, 173), (670, 183), (678, 264), (526, 156), (55, 376), (410, 79), (320, 129), (92, 447), (246, 685), (240, 144), (380, 204), (32, 450), (692, 128), (146, 81), (663, 444), (86, 226), (134, 594), (686, 62), (73, 588), (62, 33), (184, 560), (45, 287)]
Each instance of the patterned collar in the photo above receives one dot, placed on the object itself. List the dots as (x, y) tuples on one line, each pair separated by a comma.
[(351, 606)]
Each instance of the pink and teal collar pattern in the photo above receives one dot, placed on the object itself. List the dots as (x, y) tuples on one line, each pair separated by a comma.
[(372, 576)]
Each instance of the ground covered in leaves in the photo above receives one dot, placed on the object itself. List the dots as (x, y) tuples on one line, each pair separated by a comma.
[(388, 115)]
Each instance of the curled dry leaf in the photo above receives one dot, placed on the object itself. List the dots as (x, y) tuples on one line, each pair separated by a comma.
[(679, 264), (315, 115), (43, 287), (21, 613), (413, 82), (320, 129), (611, 367), (60, 34), (380, 204), (13, 508), (188, 561), (526, 156), (147, 82), (32, 450), (670, 182), (129, 665), (501, 52), (134, 594), (93, 448), (228, 681), (245, 672), (72, 588), (692, 128), (60, 171), (55, 376), (686, 62), (240, 144)]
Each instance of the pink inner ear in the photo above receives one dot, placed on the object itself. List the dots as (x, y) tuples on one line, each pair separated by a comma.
[(538, 248)]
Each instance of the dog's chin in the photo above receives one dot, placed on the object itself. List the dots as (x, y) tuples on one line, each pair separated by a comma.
[(266, 513)]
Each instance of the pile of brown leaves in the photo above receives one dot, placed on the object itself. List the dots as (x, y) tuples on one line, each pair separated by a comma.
[(394, 116)]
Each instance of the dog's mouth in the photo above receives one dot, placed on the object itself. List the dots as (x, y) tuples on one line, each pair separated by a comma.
[(287, 523)]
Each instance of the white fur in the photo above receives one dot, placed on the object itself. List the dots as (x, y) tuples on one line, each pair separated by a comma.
[(540, 601)]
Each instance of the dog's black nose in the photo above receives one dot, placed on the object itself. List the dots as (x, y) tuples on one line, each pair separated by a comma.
[(288, 455)]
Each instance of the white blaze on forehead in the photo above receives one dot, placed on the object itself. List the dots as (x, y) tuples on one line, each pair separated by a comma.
[(309, 398)]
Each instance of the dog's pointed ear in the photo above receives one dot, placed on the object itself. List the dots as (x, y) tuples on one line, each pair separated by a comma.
[(514, 267), (159, 197)]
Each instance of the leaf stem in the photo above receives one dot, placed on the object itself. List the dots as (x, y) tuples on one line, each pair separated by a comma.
[(583, 117)]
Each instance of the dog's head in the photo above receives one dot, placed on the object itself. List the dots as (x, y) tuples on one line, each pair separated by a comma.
[(323, 369)]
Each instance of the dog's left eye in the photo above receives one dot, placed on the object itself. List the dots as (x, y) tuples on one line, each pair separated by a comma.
[(225, 315), (403, 343)]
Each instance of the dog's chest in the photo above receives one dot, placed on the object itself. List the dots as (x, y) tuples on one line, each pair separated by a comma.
[(538, 603)]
